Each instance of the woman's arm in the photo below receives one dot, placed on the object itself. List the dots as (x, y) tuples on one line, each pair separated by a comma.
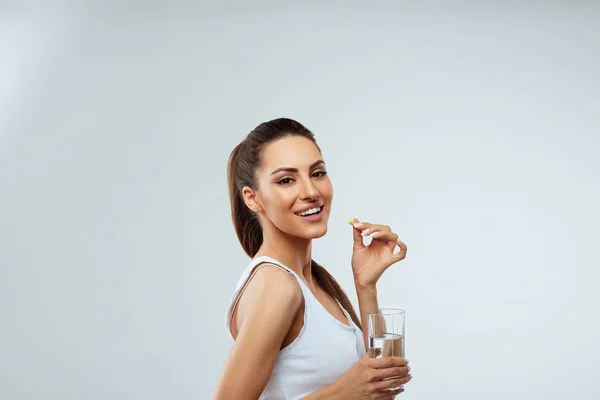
[(270, 302), (369, 262), (367, 300)]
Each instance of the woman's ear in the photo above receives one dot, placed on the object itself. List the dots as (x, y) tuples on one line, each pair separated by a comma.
[(251, 199)]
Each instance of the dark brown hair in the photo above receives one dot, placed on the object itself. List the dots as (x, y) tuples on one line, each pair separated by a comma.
[(244, 161)]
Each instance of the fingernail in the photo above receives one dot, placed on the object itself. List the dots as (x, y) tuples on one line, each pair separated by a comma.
[(373, 234), (365, 232), (358, 224)]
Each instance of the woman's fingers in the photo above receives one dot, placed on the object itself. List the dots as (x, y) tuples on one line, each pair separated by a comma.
[(358, 239), (387, 362), (395, 372), (385, 235), (370, 229), (400, 255), (389, 394), (366, 228), (378, 232), (360, 226), (390, 237), (392, 383)]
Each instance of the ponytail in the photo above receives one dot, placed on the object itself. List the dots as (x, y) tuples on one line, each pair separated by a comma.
[(333, 288), (246, 224)]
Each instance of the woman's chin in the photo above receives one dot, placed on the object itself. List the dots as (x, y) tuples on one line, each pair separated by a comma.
[(320, 234), (311, 233), (317, 232)]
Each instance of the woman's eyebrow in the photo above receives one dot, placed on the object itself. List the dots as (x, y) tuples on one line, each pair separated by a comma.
[(290, 169)]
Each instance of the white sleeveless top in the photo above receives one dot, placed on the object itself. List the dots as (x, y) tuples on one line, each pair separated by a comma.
[(322, 352)]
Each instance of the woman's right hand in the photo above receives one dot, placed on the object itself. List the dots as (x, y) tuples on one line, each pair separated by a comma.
[(370, 379)]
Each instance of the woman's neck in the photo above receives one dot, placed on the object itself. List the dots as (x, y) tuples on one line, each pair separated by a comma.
[(294, 252)]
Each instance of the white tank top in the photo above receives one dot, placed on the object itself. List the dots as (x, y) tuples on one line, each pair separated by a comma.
[(323, 351)]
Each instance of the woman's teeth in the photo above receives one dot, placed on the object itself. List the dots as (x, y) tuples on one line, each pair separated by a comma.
[(310, 212)]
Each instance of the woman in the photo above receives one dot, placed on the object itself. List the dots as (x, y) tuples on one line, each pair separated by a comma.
[(296, 333)]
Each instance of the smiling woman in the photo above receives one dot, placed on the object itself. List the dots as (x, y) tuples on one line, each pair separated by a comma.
[(296, 334)]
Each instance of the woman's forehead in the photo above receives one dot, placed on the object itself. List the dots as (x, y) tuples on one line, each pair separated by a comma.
[(292, 151)]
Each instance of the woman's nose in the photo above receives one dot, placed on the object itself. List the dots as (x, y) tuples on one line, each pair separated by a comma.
[(309, 191)]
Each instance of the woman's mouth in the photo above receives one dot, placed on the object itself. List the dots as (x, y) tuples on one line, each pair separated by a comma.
[(312, 214)]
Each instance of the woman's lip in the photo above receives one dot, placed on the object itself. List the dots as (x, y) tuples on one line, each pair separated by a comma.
[(308, 208), (314, 217)]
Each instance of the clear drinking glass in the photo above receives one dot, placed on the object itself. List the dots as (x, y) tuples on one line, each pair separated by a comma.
[(386, 333)]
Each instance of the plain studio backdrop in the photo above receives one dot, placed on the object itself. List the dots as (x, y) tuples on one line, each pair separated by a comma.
[(472, 130)]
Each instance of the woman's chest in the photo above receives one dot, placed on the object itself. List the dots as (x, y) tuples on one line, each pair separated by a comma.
[(322, 354)]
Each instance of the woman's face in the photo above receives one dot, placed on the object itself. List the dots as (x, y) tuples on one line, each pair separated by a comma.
[(294, 190)]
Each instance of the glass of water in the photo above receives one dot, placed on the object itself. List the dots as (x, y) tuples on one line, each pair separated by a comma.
[(386, 333)]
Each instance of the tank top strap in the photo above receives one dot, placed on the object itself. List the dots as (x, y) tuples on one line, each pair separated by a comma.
[(269, 260), (245, 279)]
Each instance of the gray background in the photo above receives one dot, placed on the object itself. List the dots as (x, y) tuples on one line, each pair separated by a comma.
[(472, 130)]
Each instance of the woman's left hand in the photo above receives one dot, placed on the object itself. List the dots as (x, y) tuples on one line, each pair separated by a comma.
[(370, 261)]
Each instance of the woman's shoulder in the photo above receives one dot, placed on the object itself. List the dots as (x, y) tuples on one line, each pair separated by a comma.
[(269, 282), (270, 293)]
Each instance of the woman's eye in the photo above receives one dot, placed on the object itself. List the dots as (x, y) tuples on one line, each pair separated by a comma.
[(320, 174), (285, 181)]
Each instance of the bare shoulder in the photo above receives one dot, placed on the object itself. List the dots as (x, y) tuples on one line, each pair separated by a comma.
[(272, 287)]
